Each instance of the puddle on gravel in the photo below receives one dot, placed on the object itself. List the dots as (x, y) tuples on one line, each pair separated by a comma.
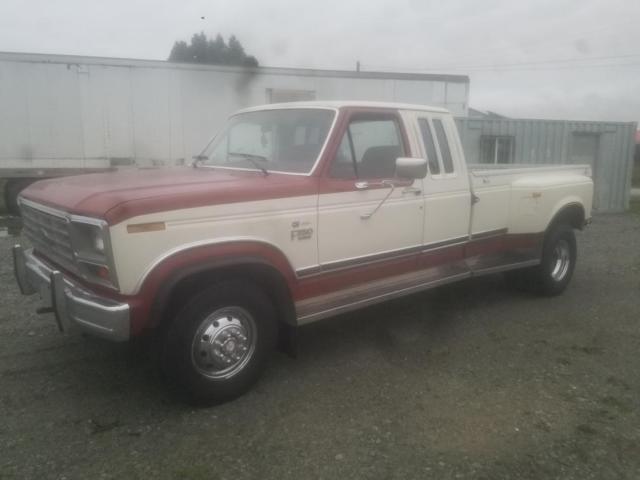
[(10, 226)]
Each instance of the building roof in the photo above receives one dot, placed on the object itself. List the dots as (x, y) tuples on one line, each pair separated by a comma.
[(345, 103), (475, 113), (306, 72)]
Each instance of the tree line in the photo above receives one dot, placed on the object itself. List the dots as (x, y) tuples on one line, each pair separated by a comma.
[(211, 51)]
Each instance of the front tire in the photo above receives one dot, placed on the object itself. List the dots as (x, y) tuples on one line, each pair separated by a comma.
[(559, 256), (218, 344)]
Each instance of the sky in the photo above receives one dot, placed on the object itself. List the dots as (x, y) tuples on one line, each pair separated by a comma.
[(562, 59)]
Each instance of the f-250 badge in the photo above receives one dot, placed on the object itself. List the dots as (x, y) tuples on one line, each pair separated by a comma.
[(300, 231)]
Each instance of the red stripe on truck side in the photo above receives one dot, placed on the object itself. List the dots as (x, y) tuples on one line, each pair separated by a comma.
[(158, 283)]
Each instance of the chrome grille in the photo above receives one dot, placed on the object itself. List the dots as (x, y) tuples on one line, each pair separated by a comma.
[(49, 234)]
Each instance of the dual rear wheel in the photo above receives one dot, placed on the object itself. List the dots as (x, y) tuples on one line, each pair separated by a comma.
[(553, 274)]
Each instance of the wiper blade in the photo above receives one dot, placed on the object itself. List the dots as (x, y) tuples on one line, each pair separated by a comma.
[(253, 159)]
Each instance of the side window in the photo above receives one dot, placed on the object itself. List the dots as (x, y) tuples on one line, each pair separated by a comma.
[(447, 161), (369, 149), (343, 165), (430, 147), (496, 149)]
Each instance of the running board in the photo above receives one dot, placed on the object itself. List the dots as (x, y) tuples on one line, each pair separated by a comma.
[(372, 293)]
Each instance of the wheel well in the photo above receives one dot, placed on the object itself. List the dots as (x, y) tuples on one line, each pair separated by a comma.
[(266, 277), (572, 215)]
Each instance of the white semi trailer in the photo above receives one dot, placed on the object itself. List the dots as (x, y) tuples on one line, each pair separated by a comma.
[(62, 114)]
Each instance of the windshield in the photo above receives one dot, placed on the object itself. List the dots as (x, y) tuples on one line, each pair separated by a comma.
[(287, 140)]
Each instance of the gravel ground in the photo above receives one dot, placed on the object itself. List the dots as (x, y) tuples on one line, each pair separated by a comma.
[(467, 381)]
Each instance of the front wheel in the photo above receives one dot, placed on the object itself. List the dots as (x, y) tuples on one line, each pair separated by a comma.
[(551, 277), (219, 343)]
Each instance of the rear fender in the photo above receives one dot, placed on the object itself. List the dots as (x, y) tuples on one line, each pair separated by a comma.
[(570, 210)]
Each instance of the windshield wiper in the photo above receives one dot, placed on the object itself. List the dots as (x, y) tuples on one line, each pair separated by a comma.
[(250, 157), (197, 159)]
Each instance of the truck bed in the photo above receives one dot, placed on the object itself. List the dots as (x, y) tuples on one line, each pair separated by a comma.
[(522, 197), (483, 169)]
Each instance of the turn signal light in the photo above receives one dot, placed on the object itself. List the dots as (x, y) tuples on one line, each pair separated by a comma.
[(103, 272), (100, 271)]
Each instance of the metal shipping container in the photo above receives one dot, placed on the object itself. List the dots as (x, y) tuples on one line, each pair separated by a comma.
[(606, 146)]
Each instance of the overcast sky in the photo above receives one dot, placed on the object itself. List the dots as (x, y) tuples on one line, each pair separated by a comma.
[(547, 58)]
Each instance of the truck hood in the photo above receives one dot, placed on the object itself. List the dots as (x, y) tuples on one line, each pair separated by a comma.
[(117, 196)]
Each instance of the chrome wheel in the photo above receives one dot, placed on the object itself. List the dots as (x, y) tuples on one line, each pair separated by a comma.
[(224, 342), (561, 260)]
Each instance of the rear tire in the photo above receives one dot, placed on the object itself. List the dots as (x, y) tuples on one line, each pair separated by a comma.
[(218, 344), (559, 256)]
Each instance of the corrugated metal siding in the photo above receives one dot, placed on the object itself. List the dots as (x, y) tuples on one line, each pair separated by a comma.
[(549, 141)]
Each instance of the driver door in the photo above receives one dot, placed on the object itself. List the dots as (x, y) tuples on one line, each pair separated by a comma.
[(362, 219)]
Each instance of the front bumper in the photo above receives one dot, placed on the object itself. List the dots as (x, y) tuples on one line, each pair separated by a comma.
[(74, 307)]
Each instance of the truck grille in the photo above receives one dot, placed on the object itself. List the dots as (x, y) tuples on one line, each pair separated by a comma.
[(49, 235)]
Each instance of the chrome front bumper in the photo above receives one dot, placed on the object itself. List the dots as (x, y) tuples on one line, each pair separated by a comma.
[(74, 307)]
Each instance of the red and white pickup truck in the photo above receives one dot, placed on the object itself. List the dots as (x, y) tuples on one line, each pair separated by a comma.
[(294, 213)]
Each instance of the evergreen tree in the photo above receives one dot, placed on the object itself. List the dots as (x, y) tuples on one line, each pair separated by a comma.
[(211, 51)]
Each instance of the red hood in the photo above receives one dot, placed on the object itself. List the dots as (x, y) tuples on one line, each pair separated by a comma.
[(117, 196)]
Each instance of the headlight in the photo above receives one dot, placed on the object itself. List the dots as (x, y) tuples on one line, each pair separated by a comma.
[(88, 240), (92, 250), (98, 243)]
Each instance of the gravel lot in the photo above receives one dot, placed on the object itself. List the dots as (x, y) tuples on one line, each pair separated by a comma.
[(467, 381)]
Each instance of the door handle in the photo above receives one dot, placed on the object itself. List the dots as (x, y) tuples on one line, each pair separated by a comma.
[(414, 190), (383, 183), (365, 185)]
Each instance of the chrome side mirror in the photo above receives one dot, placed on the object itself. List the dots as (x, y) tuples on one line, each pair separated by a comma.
[(411, 168)]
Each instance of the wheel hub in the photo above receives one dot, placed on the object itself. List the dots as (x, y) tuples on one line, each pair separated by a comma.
[(224, 342), (561, 260)]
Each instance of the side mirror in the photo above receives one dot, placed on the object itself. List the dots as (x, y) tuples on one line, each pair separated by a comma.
[(411, 168)]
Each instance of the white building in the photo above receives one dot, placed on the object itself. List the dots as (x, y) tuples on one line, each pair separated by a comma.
[(60, 112)]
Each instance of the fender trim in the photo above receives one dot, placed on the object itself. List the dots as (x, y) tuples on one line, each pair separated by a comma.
[(560, 210), (207, 244), (168, 272)]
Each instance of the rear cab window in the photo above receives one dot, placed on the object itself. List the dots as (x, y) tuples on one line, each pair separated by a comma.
[(429, 146), (436, 144), (443, 143)]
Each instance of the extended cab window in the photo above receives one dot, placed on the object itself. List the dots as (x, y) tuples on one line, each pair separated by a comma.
[(443, 142), (369, 149), (429, 146)]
